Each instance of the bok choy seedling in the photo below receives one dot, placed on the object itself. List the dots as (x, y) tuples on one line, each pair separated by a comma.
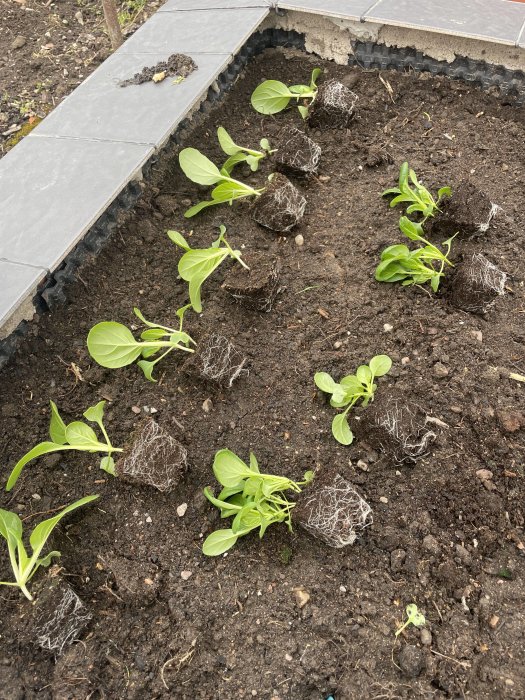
[(351, 389), (24, 566), (417, 197), (74, 436), (240, 154), (197, 264), (272, 96), (112, 344), (254, 500)]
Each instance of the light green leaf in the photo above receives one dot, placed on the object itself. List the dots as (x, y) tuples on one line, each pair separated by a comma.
[(254, 465), (380, 365), (108, 465), (313, 79), (147, 368), (227, 143), (325, 382), (41, 449), (229, 469), (364, 374), (253, 162), (198, 168), (270, 97), (57, 427), (341, 430), (303, 111), (219, 542), (196, 266), (179, 240), (112, 345), (95, 414), (232, 161), (228, 191), (196, 208), (265, 144), (10, 527), (80, 434)]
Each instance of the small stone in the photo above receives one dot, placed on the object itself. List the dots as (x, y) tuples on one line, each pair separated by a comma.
[(149, 519), (181, 510), (411, 661), (440, 370), (504, 167), (361, 464), (79, 17), (383, 499), (288, 657), (301, 597), (484, 474), (478, 335), (185, 575), (342, 589), (426, 637), (510, 421), (324, 178), (207, 405), (493, 622), (148, 581), (36, 497), (387, 327), (153, 410), (431, 545), (135, 409), (337, 344), (405, 360), (18, 42), (299, 240)]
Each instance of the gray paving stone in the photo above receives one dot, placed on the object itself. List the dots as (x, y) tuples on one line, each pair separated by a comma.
[(54, 189), (18, 283), (196, 31), (147, 113), (521, 37), (346, 9), (180, 5), (498, 20)]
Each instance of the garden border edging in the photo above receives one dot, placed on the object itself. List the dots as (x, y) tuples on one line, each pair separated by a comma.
[(337, 33)]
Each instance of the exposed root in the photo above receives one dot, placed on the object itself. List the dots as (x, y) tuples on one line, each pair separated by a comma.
[(221, 362), (412, 443), (494, 210), (69, 618)]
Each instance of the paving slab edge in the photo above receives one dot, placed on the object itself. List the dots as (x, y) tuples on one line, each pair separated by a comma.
[(328, 35)]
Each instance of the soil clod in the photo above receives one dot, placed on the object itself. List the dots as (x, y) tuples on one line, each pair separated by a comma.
[(258, 287), (468, 211), (297, 154), (178, 64), (153, 457), (281, 206), (333, 511), (133, 580), (333, 106), (476, 285)]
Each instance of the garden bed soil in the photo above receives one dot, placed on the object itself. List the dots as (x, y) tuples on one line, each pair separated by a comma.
[(288, 617)]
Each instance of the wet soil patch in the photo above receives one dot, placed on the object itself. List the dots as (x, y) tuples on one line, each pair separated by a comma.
[(178, 65), (447, 531)]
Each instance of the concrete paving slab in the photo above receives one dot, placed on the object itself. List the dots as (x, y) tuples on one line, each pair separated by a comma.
[(19, 283)]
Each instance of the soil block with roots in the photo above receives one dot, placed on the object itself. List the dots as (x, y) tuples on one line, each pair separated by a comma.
[(153, 457), (331, 510), (468, 211), (296, 153), (216, 360), (57, 617), (392, 426), (476, 285), (280, 207), (258, 287), (333, 106)]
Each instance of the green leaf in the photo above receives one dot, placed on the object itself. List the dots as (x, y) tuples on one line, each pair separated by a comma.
[(364, 374), (341, 430), (10, 527), (227, 143), (351, 385), (229, 491), (246, 519), (254, 465), (270, 97), (219, 542), (147, 368), (152, 334), (300, 90), (179, 240), (253, 162), (325, 382), (95, 414), (232, 161), (57, 427), (313, 79), (229, 469), (41, 449), (303, 111), (228, 191), (80, 434), (380, 365), (41, 533), (108, 465), (196, 208), (395, 251), (198, 168), (403, 175), (220, 503), (265, 144), (196, 266), (444, 192), (410, 229), (46, 561), (112, 345)]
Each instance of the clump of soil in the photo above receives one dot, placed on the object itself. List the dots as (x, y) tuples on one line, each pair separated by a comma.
[(57, 616), (281, 207), (297, 154), (476, 285), (153, 457), (178, 64), (258, 287), (333, 106), (396, 428), (135, 582), (468, 211), (216, 360), (331, 510)]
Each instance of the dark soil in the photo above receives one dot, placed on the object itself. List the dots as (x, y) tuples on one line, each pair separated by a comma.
[(178, 64), (281, 207), (447, 532), (257, 287), (297, 155), (467, 211)]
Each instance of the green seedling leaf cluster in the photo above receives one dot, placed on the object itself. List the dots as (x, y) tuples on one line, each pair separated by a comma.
[(112, 344), (414, 617), (200, 169), (418, 266), (415, 195), (272, 96), (252, 499), (350, 390), (197, 264), (24, 566), (75, 436), (240, 154)]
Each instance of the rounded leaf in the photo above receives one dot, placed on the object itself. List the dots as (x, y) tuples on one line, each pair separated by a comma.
[(325, 382), (341, 430), (219, 542), (79, 434), (270, 97), (112, 345), (364, 374), (229, 469), (227, 143), (380, 365), (198, 168)]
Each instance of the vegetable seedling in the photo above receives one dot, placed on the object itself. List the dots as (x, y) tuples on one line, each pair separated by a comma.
[(75, 436), (197, 264), (25, 566), (419, 198), (240, 154), (254, 500), (351, 389), (414, 617), (112, 344), (198, 168), (400, 264), (272, 96)]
